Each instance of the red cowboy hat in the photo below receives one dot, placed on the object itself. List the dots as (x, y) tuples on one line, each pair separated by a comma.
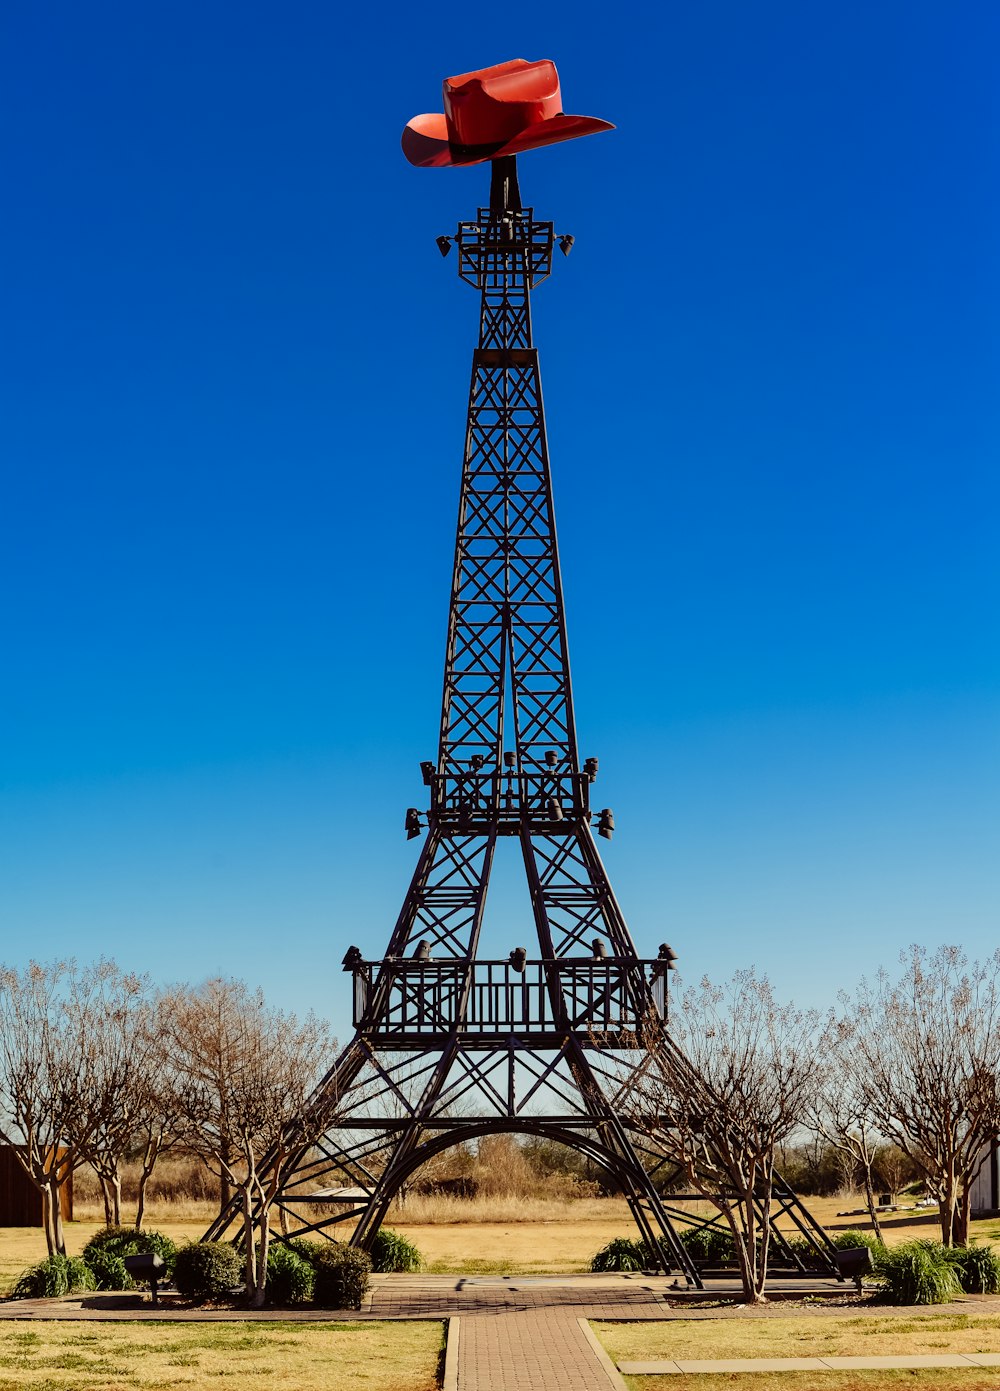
[(497, 111)]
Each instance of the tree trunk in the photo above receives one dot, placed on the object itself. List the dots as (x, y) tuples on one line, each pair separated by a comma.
[(870, 1200), (249, 1237), (225, 1189), (960, 1220), (106, 1196), (140, 1197), (260, 1286), (55, 1236), (762, 1246), (745, 1246), (947, 1202), (115, 1185), (149, 1158), (47, 1223)]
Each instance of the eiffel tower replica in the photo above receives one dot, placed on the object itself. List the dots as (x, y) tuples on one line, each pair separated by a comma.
[(451, 1046)]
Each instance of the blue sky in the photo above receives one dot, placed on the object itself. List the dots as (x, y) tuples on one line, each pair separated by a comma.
[(232, 392)]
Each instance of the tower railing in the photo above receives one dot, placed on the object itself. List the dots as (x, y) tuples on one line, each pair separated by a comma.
[(419, 1000)]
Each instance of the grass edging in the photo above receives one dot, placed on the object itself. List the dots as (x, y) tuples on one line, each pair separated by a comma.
[(612, 1372), (452, 1332)]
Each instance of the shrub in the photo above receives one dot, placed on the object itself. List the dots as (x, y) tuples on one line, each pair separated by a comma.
[(341, 1277), (51, 1278), (622, 1254), (709, 1243), (105, 1254), (850, 1241), (207, 1269), (392, 1252), (306, 1248), (289, 1276), (978, 1269), (919, 1272), (108, 1270)]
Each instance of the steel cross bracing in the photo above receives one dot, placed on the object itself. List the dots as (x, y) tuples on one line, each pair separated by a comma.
[(449, 1046)]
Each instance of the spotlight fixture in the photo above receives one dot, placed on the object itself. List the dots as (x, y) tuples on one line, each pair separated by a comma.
[(510, 760), (444, 245), (606, 823), (552, 758), (565, 244), (423, 951), (668, 955), (517, 958), (590, 769), (352, 958), (477, 760), (555, 809), (427, 770), (599, 949), (412, 823)]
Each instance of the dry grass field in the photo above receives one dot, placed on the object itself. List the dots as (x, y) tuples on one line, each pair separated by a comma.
[(937, 1379), (835, 1333), (400, 1356), (477, 1236), (536, 1237), (844, 1333)]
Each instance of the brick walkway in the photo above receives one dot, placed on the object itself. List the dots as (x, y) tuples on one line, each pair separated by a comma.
[(544, 1350)]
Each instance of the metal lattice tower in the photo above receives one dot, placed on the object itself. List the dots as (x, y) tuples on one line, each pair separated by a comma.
[(450, 1046)]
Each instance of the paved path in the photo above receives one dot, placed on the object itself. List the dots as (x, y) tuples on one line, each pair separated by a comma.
[(400, 1297), (544, 1350)]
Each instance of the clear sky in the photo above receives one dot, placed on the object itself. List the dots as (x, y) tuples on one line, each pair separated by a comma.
[(233, 376)]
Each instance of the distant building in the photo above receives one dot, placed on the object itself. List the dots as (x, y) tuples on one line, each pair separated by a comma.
[(986, 1187), (20, 1200)]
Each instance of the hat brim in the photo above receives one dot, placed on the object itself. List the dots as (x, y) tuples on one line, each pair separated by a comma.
[(425, 140)]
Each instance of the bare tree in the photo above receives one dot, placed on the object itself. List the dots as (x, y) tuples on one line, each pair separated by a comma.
[(50, 1076), (894, 1169), (135, 1103), (923, 1053), (123, 1084), (158, 1124), (721, 1092), (841, 1116), (245, 1078)]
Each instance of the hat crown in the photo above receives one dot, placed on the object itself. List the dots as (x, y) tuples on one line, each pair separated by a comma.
[(495, 104)]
